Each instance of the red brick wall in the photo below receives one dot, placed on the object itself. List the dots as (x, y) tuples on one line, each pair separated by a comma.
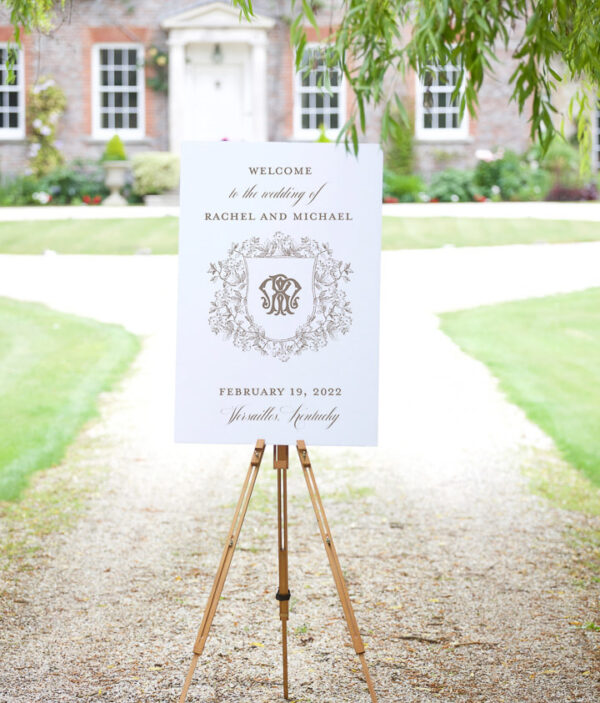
[(65, 55), (13, 153), (125, 35), (288, 77)]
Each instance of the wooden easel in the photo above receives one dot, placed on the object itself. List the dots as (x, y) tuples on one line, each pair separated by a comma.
[(281, 465)]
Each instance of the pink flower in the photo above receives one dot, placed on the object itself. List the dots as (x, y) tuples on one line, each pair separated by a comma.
[(484, 155)]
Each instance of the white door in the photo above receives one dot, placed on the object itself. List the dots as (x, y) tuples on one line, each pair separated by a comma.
[(214, 98)]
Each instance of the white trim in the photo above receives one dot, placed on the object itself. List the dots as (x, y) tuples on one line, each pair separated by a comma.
[(255, 76), (15, 133), (312, 134), (210, 24), (216, 15), (212, 35), (126, 134), (445, 134)]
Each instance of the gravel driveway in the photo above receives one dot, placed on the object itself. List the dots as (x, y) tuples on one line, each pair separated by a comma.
[(465, 585)]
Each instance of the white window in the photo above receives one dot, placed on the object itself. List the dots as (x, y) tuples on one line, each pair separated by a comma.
[(12, 99), (437, 112), (118, 91), (314, 103)]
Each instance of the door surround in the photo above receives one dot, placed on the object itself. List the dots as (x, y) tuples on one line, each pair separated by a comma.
[(218, 24), (218, 103)]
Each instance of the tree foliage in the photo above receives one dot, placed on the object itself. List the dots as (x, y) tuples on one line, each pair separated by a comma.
[(551, 41), (27, 15), (46, 103)]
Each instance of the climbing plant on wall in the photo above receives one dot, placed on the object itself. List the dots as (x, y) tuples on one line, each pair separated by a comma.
[(45, 107)]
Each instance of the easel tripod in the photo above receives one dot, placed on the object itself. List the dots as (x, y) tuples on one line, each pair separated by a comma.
[(280, 464)]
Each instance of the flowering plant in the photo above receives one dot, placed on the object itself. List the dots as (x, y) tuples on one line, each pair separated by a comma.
[(46, 104), (41, 197), (158, 60), (451, 186), (508, 176), (88, 200)]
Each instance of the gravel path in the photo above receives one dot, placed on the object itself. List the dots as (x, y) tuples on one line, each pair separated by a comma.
[(466, 587)]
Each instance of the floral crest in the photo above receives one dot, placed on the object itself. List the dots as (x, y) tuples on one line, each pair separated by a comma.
[(229, 316)]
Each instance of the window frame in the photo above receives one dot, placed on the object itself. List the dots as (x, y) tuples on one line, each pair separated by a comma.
[(126, 134), (312, 133), (19, 132), (437, 134)]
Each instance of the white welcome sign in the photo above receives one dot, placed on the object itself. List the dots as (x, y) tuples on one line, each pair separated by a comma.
[(278, 317)]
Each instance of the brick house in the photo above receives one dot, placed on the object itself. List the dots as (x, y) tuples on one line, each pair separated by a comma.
[(227, 79)]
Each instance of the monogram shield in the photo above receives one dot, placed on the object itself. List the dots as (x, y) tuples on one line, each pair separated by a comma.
[(279, 294)]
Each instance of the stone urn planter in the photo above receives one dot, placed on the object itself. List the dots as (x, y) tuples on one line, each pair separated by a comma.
[(115, 177)]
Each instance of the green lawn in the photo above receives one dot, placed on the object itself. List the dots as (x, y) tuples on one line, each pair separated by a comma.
[(422, 233), (53, 366), (159, 235), (546, 354)]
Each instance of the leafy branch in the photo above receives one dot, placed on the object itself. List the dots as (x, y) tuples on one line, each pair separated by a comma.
[(376, 42), (25, 17)]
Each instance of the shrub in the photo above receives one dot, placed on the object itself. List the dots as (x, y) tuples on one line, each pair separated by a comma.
[(452, 186), (155, 172), (81, 181), (510, 177), (115, 151), (562, 165), (561, 161), (405, 188), (322, 138), (45, 105), (18, 191), (399, 149), (569, 193), (75, 183)]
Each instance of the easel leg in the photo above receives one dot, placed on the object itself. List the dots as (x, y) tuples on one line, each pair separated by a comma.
[(281, 464), (334, 563), (230, 544)]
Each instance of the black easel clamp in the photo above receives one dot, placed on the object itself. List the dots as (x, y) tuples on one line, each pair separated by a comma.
[(284, 596)]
